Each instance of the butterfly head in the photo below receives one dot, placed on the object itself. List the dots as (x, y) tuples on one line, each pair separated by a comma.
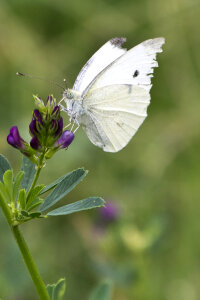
[(70, 94)]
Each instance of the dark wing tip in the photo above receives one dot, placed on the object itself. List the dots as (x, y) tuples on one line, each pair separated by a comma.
[(118, 42)]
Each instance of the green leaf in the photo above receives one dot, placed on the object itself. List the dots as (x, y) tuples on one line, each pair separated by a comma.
[(8, 182), (52, 185), (69, 181), (103, 291), (36, 214), (3, 192), (56, 291), (29, 172), (34, 204), (25, 213), (59, 290), (34, 193), (50, 289), (22, 198), (17, 183), (88, 203), (4, 165)]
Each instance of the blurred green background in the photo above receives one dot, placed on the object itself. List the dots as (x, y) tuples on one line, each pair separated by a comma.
[(152, 251)]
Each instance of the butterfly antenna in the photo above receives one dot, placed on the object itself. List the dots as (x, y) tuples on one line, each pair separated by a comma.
[(40, 78), (65, 81)]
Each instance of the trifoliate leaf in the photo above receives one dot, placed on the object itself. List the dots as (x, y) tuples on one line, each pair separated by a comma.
[(68, 182)]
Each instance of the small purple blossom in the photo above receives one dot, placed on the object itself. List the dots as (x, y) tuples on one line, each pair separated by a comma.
[(32, 127), (109, 212), (56, 110), (37, 116), (49, 100), (35, 144), (14, 138), (65, 140), (60, 127)]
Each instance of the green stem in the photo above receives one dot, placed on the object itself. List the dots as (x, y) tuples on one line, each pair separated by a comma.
[(39, 168), (35, 275)]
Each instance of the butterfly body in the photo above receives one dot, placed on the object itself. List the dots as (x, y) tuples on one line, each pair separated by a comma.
[(111, 94)]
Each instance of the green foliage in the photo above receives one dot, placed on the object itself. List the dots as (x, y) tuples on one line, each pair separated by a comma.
[(35, 203), (17, 184), (56, 291), (103, 291), (85, 204), (33, 194), (22, 199), (4, 166), (52, 185), (29, 172), (68, 182), (8, 183)]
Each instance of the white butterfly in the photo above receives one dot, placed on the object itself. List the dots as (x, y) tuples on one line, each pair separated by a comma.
[(111, 94)]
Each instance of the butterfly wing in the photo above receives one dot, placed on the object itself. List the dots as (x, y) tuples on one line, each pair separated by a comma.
[(134, 67), (113, 114), (116, 101), (99, 61)]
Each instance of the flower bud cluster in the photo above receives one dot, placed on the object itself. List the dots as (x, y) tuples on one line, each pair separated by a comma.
[(46, 129)]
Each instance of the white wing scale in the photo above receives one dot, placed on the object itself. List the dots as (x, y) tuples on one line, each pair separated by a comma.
[(108, 53), (113, 114), (140, 58)]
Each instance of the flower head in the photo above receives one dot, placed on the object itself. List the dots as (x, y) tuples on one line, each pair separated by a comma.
[(46, 129)]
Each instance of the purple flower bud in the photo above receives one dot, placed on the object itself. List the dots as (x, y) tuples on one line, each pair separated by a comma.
[(109, 212), (60, 127), (65, 140), (53, 125), (32, 127), (35, 144), (56, 110), (37, 116), (14, 138), (49, 100)]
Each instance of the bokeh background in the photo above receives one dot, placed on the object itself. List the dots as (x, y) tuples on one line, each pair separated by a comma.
[(151, 250)]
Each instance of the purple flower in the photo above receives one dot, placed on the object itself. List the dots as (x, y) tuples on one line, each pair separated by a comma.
[(37, 116), (49, 100), (14, 138), (56, 110), (35, 144), (109, 212), (65, 140), (60, 127), (32, 127)]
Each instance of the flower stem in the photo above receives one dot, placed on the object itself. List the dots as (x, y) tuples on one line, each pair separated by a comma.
[(39, 168), (35, 275)]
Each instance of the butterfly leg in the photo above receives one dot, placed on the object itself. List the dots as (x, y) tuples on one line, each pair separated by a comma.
[(61, 100), (67, 126), (76, 128)]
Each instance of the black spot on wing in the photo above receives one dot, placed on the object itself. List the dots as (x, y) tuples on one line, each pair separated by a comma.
[(118, 42), (136, 73)]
